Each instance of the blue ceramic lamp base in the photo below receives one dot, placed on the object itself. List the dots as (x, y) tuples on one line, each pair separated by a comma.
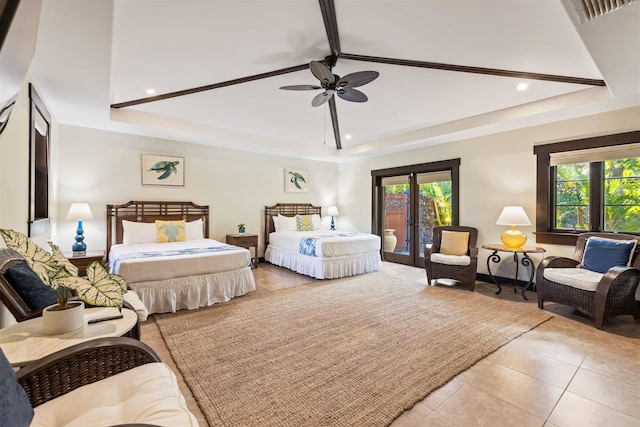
[(79, 248)]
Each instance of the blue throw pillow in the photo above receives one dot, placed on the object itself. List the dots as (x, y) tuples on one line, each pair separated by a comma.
[(29, 286), (602, 254), (15, 408)]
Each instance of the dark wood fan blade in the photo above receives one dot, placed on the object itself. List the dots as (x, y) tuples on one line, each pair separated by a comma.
[(321, 98), (353, 95), (476, 70), (334, 120), (210, 87), (301, 87), (321, 72), (360, 78)]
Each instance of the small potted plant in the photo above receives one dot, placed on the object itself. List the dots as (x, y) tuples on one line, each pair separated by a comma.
[(241, 228), (99, 288)]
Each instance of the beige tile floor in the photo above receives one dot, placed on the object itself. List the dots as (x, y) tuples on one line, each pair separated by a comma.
[(563, 373)]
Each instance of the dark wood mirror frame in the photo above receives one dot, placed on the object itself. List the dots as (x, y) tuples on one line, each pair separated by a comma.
[(39, 140)]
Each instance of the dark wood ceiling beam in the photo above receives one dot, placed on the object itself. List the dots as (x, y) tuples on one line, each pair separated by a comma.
[(328, 10), (211, 86), (334, 120), (475, 70)]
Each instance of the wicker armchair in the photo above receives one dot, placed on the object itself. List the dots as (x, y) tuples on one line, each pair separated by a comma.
[(615, 291), (17, 306), (81, 364), (80, 385), (438, 268)]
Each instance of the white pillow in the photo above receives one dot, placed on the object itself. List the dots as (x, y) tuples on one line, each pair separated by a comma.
[(317, 222), (276, 225), (286, 223), (138, 232), (194, 230)]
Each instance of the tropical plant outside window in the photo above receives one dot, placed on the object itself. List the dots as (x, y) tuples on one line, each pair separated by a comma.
[(619, 209), (434, 205)]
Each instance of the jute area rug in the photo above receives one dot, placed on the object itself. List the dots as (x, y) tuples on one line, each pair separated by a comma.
[(348, 352)]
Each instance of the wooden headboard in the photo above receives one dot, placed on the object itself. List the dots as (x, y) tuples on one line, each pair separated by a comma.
[(149, 211), (286, 209)]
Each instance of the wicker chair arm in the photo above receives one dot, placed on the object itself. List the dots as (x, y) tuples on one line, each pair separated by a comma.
[(557, 262), (615, 277), (428, 248), (82, 364), (473, 252)]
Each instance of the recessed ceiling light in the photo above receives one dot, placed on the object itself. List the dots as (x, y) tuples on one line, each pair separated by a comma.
[(522, 86), (347, 136), (151, 91)]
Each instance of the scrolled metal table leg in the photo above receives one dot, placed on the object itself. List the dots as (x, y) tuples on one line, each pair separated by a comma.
[(494, 257), (527, 263)]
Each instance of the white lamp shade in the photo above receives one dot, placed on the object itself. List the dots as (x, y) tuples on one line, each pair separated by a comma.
[(513, 215), (333, 211), (79, 211)]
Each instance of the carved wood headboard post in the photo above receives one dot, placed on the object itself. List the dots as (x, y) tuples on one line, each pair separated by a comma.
[(149, 211)]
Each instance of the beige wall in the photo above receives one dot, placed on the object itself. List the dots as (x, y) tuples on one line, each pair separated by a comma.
[(101, 167), (495, 171)]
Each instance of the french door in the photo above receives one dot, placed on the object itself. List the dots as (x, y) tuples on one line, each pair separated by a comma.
[(408, 202)]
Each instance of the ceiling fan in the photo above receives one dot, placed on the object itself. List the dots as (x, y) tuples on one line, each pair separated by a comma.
[(334, 84)]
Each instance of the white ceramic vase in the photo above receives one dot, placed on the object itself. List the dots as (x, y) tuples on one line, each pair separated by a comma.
[(390, 240), (56, 321)]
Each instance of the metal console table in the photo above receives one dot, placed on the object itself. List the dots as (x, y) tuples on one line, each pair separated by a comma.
[(526, 262)]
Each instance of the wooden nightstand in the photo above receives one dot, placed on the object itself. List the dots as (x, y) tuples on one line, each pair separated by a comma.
[(83, 261), (245, 240)]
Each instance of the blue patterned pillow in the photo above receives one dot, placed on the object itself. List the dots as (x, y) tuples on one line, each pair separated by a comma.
[(29, 286), (602, 254), (15, 408)]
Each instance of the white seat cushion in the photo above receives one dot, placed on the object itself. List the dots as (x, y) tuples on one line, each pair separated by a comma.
[(132, 298), (580, 278), (450, 259), (145, 394)]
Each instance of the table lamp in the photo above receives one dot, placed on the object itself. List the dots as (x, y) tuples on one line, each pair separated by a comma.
[(513, 215), (333, 211), (79, 212)]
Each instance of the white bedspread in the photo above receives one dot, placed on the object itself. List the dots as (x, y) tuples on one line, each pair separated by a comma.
[(337, 256), (329, 243), (124, 260), (167, 283)]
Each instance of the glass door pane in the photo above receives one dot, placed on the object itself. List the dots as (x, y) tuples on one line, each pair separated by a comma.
[(396, 216), (435, 204)]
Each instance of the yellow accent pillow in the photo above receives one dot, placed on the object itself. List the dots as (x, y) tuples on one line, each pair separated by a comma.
[(170, 231), (304, 223), (454, 242)]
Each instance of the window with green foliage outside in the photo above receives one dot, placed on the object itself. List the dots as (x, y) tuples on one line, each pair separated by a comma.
[(617, 192)]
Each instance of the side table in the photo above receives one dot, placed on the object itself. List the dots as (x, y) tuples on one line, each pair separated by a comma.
[(247, 241), (24, 342), (83, 261), (526, 262)]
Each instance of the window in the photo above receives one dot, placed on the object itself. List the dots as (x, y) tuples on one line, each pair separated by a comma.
[(590, 184)]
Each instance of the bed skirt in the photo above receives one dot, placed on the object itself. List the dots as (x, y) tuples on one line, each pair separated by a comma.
[(324, 268), (164, 296)]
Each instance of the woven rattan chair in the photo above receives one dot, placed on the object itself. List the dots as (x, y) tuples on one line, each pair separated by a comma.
[(615, 292), (464, 274), (18, 307), (81, 364)]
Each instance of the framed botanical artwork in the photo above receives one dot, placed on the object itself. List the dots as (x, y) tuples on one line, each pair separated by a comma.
[(296, 180), (158, 169)]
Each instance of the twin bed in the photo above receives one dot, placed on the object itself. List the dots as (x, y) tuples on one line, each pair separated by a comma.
[(193, 273), (316, 251), (197, 271)]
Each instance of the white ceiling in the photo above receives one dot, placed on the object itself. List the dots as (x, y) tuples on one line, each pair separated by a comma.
[(91, 54)]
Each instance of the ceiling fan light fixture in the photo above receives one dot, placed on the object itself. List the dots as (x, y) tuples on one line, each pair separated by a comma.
[(522, 86), (150, 91)]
